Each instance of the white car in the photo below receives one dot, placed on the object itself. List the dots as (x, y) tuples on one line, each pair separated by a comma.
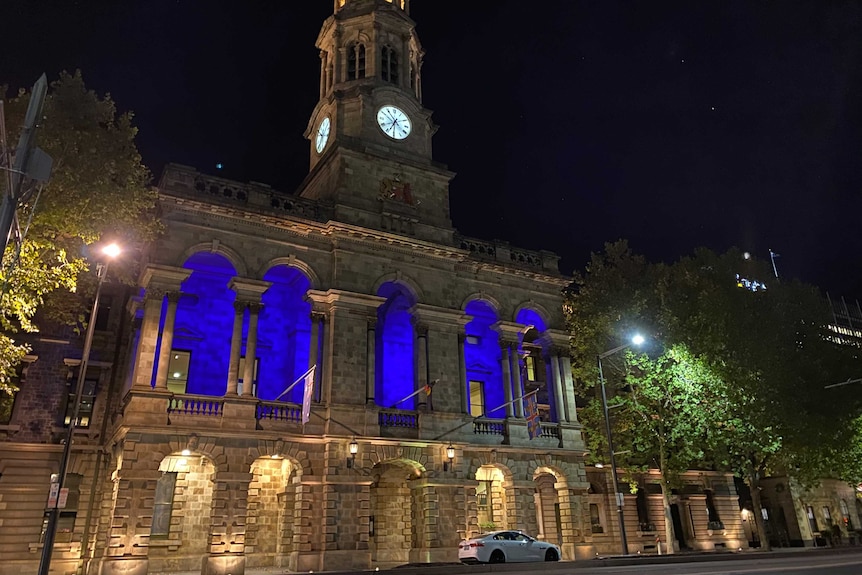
[(506, 546)]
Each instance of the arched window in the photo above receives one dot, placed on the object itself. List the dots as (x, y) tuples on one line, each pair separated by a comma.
[(202, 330), (356, 61), (283, 335), (394, 365), (389, 64), (482, 361)]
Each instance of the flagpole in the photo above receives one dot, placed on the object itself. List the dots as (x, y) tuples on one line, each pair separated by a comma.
[(426, 388), (535, 391), (292, 385)]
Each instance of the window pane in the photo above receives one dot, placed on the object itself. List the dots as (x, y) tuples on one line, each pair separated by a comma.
[(85, 408), (477, 399), (531, 367), (595, 519), (178, 370)]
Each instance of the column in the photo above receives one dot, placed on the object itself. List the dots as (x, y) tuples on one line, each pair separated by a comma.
[(370, 343), (323, 71), (568, 389), (422, 365), (167, 341), (145, 359), (462, 373), (250, 348), (315, 353), (558, 388), (507, 378), (517, 383), (235, 348)]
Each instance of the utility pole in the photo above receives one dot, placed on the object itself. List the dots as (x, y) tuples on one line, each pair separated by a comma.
[(30, 162)]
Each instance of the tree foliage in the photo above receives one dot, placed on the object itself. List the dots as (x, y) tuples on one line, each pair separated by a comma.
[(735, 376), (99, 189)]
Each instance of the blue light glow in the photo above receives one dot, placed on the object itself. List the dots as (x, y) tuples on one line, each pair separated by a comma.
[(482, 356), (204, 322), (284, 334), (395, 374)]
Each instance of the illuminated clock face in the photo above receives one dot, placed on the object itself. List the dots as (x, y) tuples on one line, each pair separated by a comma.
[(393, 122), (322, 134)]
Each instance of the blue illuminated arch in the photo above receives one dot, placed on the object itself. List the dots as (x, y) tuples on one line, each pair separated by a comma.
[(204, 322), (528, 316), (482, 356), (284, 333), (395, 373), (531, 317)]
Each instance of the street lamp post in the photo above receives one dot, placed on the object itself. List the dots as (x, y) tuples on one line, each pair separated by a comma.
[(636, 340), (111, 251)]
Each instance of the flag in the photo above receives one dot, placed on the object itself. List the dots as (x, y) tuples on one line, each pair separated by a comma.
[(306, 394), (531, 411)]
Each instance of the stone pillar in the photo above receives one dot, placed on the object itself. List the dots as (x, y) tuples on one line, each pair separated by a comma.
[(404, 62), (157, 281), (569, 389), (462, 373), (316, 355), (525, 516), (425, 524), (370, 350), (306, 544), (128, 528), (507, 378), (517, 383), (235, 348), (251, 348), (167, 341), (248, 294), (323, 71), (558, 388), (145, 360), (228, 524), (422, 366)]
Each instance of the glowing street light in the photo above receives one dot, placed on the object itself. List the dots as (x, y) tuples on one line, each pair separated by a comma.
[(111, 251), (637, 339)]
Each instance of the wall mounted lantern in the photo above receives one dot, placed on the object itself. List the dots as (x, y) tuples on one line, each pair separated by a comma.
[(354, 449), (450, 455)]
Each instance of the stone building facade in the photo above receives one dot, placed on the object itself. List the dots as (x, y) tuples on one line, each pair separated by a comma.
[(416, 347)]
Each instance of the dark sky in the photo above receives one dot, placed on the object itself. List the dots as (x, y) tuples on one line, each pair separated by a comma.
[(569, 123)]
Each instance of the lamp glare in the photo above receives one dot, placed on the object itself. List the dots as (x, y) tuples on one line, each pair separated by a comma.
[(111, 250), (638, 339)]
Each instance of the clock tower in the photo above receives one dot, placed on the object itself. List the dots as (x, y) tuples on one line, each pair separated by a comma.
[(369, 135)]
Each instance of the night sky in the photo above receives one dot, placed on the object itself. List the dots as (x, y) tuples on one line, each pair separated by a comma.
[(569, 123)]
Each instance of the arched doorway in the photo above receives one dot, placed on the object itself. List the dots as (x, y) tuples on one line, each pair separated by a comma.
[(492, 499), (395, 515), (548, 518)]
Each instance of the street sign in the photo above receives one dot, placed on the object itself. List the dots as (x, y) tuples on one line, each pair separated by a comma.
[(52, 495)]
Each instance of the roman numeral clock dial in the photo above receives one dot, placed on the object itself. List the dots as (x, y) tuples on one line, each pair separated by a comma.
[(394, 122)]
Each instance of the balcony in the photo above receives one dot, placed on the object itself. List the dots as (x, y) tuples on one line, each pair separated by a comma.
[(243, 413)]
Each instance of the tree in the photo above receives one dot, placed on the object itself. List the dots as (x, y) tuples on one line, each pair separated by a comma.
[(659, 403), (98, 189), (750, 350)]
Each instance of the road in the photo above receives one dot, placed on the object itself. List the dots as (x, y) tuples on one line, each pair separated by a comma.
[(803, 564)]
